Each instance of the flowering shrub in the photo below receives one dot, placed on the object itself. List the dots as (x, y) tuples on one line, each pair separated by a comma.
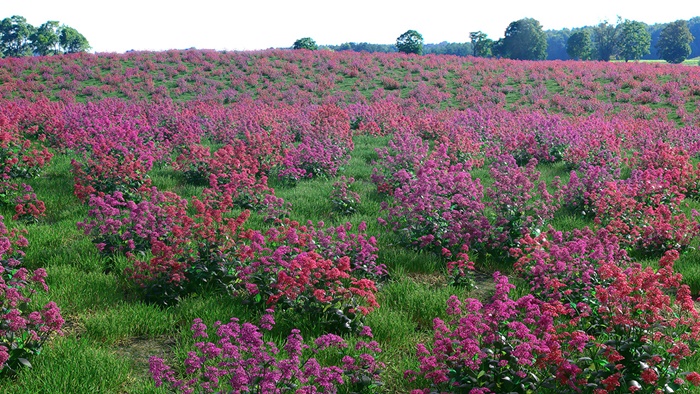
[(17, 157), (323, 149), (275, 208), (564, 266), (625, 333), (310, 270), (389, 83), (196, 254), (440, 207), (336, 242), (19, 160), (676, 164), (460, 272), (240, 361), (28, 208), (23, 331), (119, 225), (231, 171), (314, 158), (405, 151), (343, 200), (493, 347), (579, 192), (194, 163), (644, 212), (107, 170), (519, 202)]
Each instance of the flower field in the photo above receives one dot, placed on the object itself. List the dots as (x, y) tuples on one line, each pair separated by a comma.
[(321, 222)]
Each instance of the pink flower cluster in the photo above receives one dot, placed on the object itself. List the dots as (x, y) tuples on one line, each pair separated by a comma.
[(241, 361)]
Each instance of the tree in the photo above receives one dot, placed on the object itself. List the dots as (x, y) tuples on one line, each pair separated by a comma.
[(410, 42), (604, 40), (46, 38), (481, 44), (71, 41), (525, 40), (305, 43), (633, 40), (674, 42), (556, 44), (497, 48), (580, 46), (448, 48), (694, 27), (14, 36)]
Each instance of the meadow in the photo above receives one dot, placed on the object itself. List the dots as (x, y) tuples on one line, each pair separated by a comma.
[(314, 221)]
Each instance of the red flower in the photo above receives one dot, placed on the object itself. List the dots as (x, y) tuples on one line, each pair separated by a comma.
[(693, 378), (649, 376)]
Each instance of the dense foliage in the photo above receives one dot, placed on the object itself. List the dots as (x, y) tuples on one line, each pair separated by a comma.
[(674, 42), (19, 38)]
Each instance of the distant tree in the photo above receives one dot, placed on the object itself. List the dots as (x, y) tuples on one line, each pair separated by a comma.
[(448, 48), (580, 46), (604, 41), (556, 44), (655, 31), (364, 47), (305, 43), (674, 42), (46, 38), (71, 41), (410, 42), (498, 49), (525, 40), (346, 46), (694, 27), (15, 35), (481, 44), (633, 40)]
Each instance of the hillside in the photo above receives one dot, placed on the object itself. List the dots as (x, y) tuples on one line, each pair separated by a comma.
[(396, 210)]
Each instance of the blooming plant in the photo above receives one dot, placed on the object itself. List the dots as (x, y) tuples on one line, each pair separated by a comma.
[(460, 272), (578, 193), (644, 212), (28, 208), (23, 329), (194, 164), (492, 347), (621, 332), (116, 224), (232, 171), (313, 158), (195, 255), (564, 266), (343, 200), (241, 361), (109, 169), (323, 149), (18, 158), (439, 207), (405, 151), (310, 271), (275, 208), (520, 203)]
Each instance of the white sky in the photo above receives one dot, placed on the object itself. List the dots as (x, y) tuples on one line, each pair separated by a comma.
[(259, 24)]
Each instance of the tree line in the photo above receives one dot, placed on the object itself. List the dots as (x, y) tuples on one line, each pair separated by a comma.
[(526, 40), (19, 38)]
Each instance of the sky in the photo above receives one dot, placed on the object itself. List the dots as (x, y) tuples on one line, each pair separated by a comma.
[(156, 25)]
